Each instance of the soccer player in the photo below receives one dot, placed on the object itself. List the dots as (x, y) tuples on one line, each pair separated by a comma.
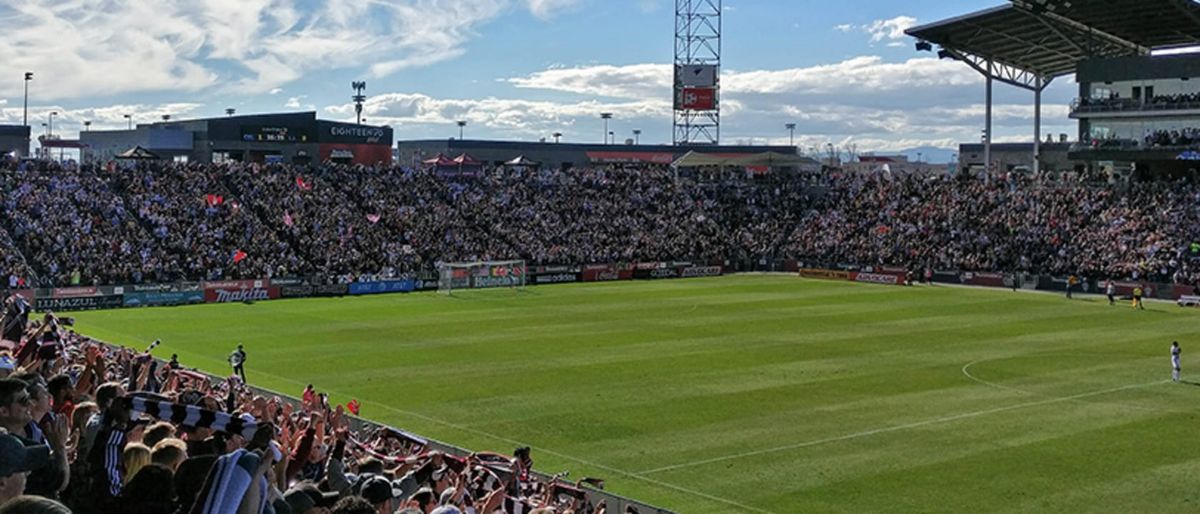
[(237, 359), (1175, 361), (1071, 282), (1110, 289), (1137, 298)]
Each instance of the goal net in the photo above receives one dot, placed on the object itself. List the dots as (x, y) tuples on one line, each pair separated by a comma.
[(453, 276)]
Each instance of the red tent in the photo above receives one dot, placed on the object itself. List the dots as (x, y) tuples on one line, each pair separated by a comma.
[(440, 160), (466, 160)]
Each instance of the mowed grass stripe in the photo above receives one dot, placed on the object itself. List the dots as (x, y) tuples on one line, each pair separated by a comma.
[(635, 376)]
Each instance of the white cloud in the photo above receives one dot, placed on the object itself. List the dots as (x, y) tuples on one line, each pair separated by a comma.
[(546, 9), (512, 117), (107, 117), (294, 102), (845, 27), (275, 91), (91, 48), (890, 29)]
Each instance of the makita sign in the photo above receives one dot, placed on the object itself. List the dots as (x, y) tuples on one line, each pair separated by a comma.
[(222, 295)]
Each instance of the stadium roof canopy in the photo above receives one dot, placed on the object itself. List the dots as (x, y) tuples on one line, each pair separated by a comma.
[(1030, 42)]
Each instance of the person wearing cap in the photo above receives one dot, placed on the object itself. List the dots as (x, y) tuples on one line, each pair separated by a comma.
[(306, 498), (16, 417), (378, 490), (16, 462)]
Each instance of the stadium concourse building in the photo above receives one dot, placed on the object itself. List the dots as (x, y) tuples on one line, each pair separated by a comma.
[(573, 155), (1138, 106), (294, 138)]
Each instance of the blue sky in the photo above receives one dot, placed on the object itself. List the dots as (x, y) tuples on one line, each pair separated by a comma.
[(514, 69)]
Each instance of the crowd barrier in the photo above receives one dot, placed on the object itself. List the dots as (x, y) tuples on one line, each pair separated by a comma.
[(225, 291)]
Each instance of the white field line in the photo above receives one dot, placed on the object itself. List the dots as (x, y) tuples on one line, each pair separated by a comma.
[(966, 371), (895, 428)]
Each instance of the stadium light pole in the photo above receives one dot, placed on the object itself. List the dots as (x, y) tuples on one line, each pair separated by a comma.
[(25, 119), (791, 128), (461, 125), (129, 121), (637, 136), (229, 111), (358, 98), (166, 117), (606, 116), (50, 129), (87, 126), (556, 136)]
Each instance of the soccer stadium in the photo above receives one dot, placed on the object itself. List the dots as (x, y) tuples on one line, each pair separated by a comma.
[(309, 312)]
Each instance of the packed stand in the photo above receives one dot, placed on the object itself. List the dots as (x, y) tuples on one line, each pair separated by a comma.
[(1188, 137), (90, 428), (335, 223)]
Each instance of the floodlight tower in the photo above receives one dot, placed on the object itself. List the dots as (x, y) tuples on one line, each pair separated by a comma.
[(358, 98), (697, 72)]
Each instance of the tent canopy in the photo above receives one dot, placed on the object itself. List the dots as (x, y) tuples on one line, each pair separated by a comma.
[(466, 160), (439, 160), (521, 160), (696, 159), (137, 153)]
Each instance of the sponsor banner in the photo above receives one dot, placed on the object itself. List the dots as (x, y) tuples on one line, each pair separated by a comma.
[(606, 274), (791, 266), (149, 298), (892, 269), (74, 292), (384, 286), (631, 157), (295, 291), (946, 277), (649, 265), (825, 274), (486, 282), (701, 271), (543, 270), (657, 273), (877, 278), (696, 98), (235, 284), (426, 285), (79, 303), (289, 281), (555, 278), (157, 288), (331, 290), (984, 279), (224, 295)]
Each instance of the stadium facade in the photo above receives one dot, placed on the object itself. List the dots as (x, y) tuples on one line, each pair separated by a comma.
[(569, 155), (294, 138), (14, 140)]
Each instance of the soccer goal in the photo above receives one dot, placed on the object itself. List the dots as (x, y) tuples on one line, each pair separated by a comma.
[(453, 276)]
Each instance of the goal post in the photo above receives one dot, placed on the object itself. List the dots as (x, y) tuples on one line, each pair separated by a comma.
[(453, 276)]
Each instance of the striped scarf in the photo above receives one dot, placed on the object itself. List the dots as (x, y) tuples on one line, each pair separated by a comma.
[(190, 416)]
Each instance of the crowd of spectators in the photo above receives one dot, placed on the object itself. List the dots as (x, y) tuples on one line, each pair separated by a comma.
[(86, 427), (1115, 102), (1188, 137), (335, 223)]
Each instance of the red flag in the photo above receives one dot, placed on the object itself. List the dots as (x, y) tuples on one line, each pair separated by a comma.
[(214, 200), (300, 183), (287, 219), (353, 407), (238, 256)]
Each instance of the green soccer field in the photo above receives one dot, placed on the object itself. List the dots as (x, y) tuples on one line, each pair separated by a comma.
[(752, 393)]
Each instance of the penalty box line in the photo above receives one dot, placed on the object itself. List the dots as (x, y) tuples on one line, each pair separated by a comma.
[(463, 428), (896, 428)]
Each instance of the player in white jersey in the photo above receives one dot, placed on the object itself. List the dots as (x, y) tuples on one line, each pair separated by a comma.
[(1175, 361)]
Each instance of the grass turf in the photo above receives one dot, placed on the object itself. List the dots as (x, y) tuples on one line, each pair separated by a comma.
[(751, 393)]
